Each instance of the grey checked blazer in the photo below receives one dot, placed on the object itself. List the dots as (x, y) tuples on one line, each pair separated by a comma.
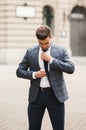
[(61, 63)]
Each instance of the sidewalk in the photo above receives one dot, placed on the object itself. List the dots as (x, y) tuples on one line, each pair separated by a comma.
[(14, 101)]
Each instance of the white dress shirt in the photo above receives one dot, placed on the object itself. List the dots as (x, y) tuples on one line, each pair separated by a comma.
[(44, 80)]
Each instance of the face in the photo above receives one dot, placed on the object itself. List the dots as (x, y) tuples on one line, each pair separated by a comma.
[(45, 44)]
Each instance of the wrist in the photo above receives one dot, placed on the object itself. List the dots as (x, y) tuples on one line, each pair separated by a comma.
[(34, 75)]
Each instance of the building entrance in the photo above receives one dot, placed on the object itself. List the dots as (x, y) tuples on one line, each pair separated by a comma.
[(78, 31)]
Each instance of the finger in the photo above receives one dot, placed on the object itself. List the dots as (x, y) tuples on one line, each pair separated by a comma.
[(43, 72)]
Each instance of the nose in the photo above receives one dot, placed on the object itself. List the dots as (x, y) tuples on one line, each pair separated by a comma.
[(44, 47)]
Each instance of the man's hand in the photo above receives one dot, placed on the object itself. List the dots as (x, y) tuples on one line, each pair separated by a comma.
[(40, 74), (45, 56)]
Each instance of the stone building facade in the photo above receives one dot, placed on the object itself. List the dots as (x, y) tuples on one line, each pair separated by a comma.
[(18, 33)]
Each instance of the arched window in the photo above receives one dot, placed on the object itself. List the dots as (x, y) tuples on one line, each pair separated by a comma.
[(78, 12), (79, 9), (48, 17)]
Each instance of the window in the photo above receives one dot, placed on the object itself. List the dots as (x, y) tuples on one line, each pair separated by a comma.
[(48, 17)]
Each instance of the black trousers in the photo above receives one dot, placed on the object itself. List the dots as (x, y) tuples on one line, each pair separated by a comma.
[(46, 99)]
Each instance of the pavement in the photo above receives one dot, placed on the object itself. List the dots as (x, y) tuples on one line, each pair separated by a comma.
[(14, 100)]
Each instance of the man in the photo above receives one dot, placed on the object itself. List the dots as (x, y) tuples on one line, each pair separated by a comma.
[(46, 63)]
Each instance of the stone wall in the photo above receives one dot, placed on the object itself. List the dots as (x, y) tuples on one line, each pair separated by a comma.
[(16, 34)]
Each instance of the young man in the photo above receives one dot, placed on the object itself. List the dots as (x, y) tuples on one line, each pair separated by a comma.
[(46, 63)]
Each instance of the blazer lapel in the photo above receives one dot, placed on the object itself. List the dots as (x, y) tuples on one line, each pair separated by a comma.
[(36, 58), (52, 51)]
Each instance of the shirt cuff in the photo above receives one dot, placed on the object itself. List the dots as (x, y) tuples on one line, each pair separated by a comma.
[(34, 75), (51, 60)]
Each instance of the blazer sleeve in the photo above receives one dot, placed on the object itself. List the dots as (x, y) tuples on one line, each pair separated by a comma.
[(23, 68), (64, 64)]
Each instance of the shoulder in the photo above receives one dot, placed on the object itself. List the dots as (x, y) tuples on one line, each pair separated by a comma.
[(58, 47), (31, 49), (59, 50)]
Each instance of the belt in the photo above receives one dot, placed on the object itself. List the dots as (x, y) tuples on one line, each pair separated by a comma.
[(45, 89)]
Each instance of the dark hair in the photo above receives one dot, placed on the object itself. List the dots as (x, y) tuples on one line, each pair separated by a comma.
[(43, 32)]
